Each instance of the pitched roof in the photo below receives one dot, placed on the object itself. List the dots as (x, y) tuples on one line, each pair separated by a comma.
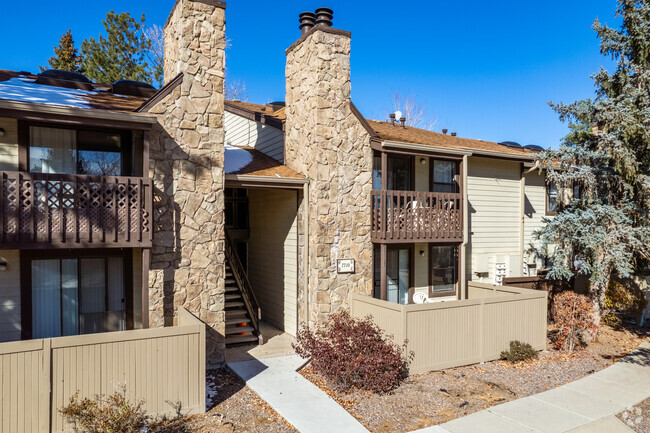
[(252, 162), (271, 114), (21, 86), (387, 131)]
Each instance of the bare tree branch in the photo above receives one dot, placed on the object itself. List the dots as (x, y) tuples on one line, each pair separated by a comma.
[(417, 115)]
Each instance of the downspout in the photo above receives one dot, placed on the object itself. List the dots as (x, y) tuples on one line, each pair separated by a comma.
[(305, 251), (463, 247), (522, 210)]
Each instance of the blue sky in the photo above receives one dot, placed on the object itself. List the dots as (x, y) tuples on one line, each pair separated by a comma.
[(483, 69)]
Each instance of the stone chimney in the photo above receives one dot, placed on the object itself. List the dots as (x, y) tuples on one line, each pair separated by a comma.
[(186, 163), (327, 140)]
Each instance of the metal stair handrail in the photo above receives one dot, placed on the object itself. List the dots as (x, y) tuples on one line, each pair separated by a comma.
[(244, 285)]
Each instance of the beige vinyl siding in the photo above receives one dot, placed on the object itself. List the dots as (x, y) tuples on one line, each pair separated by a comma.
[(273, 255), (421, 269), (422, 174), (10, 297), (9, 144), (493, 188), (534, 211), (240, 131)]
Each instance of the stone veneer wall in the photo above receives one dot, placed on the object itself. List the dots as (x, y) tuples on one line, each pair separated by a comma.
[(325, 141), (186, 154)]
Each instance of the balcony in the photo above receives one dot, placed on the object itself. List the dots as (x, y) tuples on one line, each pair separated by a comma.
[(410, 216), (39, 210)]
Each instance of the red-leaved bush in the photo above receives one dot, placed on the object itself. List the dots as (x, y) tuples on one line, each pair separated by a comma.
[(355, 353), (574, 319)]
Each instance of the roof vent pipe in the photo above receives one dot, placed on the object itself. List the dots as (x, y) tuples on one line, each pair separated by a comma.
[(403, 121), (324, 16), (444, 131), (453, 134), (392, 119), (307, 21)]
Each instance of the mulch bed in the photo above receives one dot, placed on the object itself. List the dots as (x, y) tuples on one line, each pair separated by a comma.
[(232, 407), (428, 399)]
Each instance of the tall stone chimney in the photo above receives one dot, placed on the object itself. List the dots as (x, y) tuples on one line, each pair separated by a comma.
[(327, 140), (186, 164)]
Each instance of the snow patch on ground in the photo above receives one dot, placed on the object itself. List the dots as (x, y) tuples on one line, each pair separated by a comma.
[(211, 390), (25, 90), (236, 158)]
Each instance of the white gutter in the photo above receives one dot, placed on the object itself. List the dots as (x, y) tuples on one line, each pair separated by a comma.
[(268, 179), (91, 113), (425, 148)]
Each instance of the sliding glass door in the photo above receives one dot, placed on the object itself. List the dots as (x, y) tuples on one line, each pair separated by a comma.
[(398, 270), (77, 296)]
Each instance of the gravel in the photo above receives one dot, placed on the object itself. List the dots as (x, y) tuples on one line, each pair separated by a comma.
[(232, 407), (436, 397), (637, 417)]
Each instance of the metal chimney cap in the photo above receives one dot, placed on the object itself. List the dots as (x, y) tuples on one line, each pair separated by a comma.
[(307, 21), (324, 16)]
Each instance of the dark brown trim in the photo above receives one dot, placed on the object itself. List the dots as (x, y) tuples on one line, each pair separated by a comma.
[(432, 154), (127, 265), (362, 120), (26, 257), (73, 120), (546, 200), (253, 115), (456, 176), (432, 294), (23, 146), (318, 27), (146, 261), (160, 94)]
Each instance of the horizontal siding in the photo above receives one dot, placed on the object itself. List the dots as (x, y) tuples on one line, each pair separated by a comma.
[(273, 255), (493, 189), (240, 131), (9, 145), (534, 211), (10, 297)]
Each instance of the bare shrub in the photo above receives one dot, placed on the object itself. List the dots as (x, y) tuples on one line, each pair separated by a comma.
[(575, 320)]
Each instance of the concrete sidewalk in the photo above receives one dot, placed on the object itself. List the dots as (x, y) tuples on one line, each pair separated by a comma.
[(586, 405), (299, 401)]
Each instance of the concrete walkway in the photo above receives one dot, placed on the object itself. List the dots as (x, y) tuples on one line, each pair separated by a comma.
[(586, 405), (299, 401)]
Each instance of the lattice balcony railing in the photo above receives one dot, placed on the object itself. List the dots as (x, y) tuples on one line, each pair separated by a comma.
[(61, 210)]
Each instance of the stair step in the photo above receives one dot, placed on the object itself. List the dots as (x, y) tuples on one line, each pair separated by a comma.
[(238, 329), (234, 304), (230, 281), (235, 313), (237, 320), (233, 297), (232, 289), (241, 339)]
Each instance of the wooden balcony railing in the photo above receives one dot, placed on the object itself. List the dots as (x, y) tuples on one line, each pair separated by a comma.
[(73, 211), (410, 216)]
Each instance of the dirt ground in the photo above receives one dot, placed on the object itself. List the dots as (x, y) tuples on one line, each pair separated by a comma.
[(637, 417), (428, 399), (232, 407)]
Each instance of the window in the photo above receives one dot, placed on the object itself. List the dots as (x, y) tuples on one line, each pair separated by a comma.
[(552, 198), (72, 296), (70, 151), (399, 173), (236, 208), (444, 270), (443, 176)]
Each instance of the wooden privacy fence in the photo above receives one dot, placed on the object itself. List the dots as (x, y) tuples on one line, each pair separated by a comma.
[(162, 366), (455, 333)]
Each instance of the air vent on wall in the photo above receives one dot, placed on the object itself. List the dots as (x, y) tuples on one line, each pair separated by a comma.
[(534, 147), (511, 144), (67, 79), (133, 88)]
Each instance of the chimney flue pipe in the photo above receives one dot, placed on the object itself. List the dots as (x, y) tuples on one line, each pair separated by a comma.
[(307, 21), (324, 16)]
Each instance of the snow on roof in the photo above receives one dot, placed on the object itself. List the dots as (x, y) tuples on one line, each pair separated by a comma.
[(236, 158), (26, 90)]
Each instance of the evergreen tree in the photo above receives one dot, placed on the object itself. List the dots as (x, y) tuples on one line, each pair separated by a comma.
[(605, 158), (66, 57), (119, 55)]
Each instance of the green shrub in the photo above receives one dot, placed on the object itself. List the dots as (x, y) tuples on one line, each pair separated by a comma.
[(519, 352), (114, 414), (354, 353)]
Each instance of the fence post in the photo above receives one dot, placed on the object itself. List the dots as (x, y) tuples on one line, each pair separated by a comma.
[(45, 400), (482, 330)]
